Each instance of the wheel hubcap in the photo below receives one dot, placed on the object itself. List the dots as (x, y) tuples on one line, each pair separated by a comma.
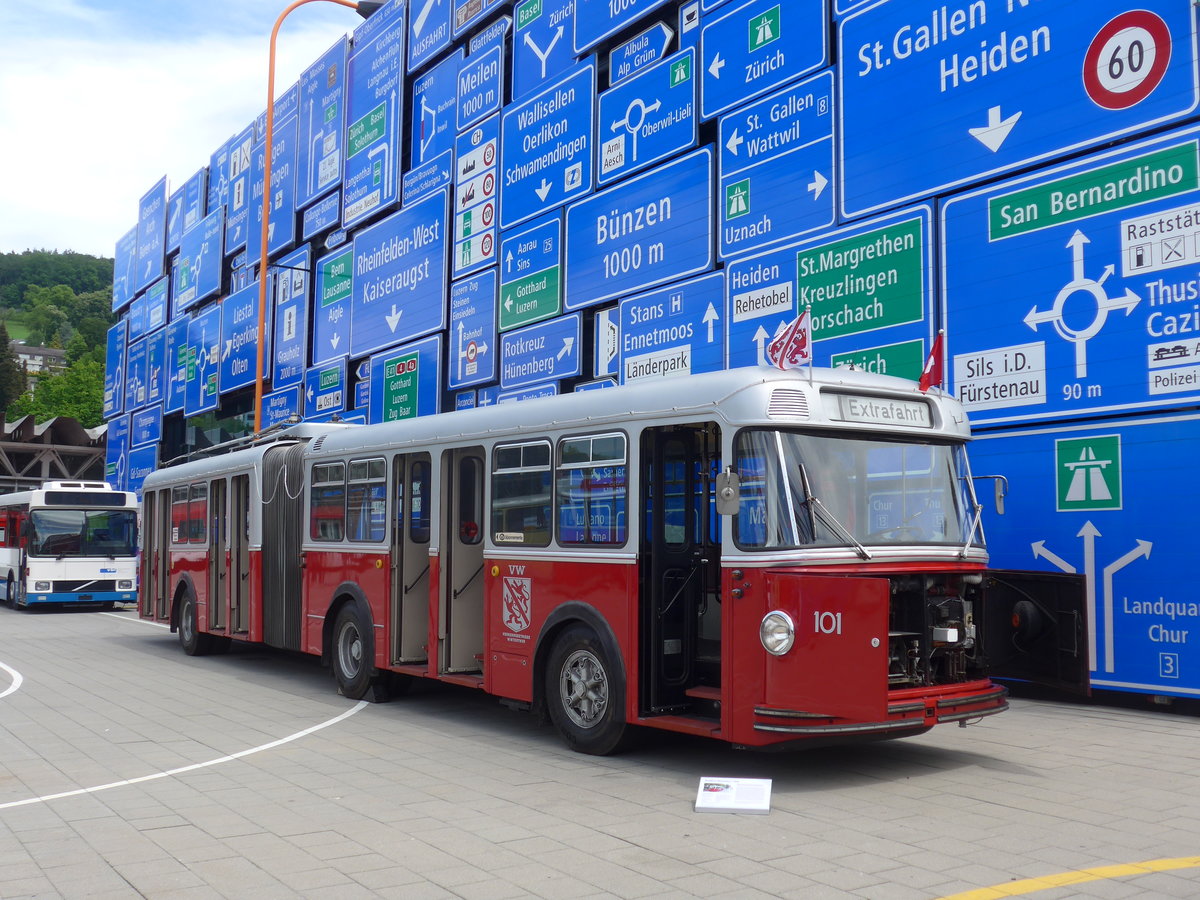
[(584, 689), (351, 651)]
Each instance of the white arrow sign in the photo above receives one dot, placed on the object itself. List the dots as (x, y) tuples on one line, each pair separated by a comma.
[(735, 141), (717, 65), (394, 319), (817, 185), (544, 190), (996, 131), (568, 343), (710, 319)]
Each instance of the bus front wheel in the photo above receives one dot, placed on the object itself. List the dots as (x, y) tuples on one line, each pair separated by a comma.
[(193, 641), (586, 694)]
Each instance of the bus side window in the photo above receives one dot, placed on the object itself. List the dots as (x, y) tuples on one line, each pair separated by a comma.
[(366, 500), (591, 496), (327, 517), (198, 513), (418, 522), (179, 515), (521, 494)]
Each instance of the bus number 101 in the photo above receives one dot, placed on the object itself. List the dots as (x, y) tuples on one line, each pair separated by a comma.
[(827, 622)]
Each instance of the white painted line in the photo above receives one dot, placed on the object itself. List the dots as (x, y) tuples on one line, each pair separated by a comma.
[(204, 765), (124, 618), (16, 680)]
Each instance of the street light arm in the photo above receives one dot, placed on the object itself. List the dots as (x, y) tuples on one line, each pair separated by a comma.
[(365, 8)]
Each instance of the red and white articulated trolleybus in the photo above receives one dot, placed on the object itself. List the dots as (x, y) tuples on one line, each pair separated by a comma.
[(750, 555), (68, 543)]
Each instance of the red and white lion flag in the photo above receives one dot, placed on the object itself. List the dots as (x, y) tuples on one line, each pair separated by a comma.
[(792, 346)]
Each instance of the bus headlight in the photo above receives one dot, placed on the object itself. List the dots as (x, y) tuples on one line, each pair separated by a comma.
[(125, 585), (777, 633), (41, 586)]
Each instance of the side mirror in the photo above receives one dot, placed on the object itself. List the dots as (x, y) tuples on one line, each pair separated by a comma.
[(1000, 492), (729, 493)]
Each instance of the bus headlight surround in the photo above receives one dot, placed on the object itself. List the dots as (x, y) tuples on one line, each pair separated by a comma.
[(777, 632), (41, 586), (125, 585)]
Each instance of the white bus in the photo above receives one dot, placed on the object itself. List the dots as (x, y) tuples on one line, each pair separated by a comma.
[(69, 542)]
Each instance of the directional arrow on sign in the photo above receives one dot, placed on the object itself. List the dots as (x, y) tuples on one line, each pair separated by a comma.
[(735, 141), (760, 339), (716, 66), (543, 55), (335, 340), (310, 394), (996, 131), (544, 191), (228, 347), (1039, 549), (508, 261), (568, 343), (393, 320), (817, 185), (423, 16), (710, 318)]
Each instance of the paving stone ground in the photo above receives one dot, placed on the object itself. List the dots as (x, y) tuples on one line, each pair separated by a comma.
[(446, 794)]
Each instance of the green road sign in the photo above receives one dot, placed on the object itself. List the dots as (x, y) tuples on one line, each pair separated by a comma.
[(531, 299), (1088, 472), (903, 360), (400, 383)]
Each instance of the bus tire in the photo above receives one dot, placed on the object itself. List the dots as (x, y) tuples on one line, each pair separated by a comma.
[(353, 652), (193, 641), (9, 599), (586, 694)]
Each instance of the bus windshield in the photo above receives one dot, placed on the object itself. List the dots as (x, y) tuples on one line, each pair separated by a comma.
[(802, 489), (62, 532)]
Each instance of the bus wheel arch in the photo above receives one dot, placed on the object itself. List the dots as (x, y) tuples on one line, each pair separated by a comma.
[(576, 641), (186, 619)]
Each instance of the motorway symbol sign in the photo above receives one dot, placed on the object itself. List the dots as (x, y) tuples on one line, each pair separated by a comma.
[(325, 390), (546, 147), (649, 117), (399, 284), (596, 20), (650, 229), (175, 363), (428, 31), (151, 235), (531, 273), (333, 283), (114, 369), (406, 381), (235, 188), (156, 361), (768, 150), (677, 330), (476, 195), (321, 146), (290, 282), (198, 268), (434, 109), (973, 93), (429, 178), (124, 266), (759, 46), (635, 54), (542, 43), (1102, 255), (374, 113), (871, 277), (547, 351), (136, 376), (239, 339), (203, 360), (480, 86), (472, 358)]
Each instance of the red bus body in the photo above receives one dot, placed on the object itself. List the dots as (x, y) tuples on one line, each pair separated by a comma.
[(623, 594)]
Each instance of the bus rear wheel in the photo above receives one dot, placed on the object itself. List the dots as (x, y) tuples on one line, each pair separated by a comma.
[(586, 694), (193, 641), (353, 652)]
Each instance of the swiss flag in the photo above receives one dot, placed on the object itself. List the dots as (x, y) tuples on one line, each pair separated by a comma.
[(932, 373), (792, 346)]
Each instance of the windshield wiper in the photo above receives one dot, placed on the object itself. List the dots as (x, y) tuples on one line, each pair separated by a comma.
[(830, 520)]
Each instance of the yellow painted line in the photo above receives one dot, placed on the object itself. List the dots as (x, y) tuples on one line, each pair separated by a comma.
[(1080, 876)]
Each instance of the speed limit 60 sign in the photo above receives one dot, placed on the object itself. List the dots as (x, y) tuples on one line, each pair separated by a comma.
[(971, 90)]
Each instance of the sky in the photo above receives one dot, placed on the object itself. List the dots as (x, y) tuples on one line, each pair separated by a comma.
[(101, 98)]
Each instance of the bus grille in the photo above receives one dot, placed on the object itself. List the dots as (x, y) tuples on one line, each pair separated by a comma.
[(788, 404), (72, 587)]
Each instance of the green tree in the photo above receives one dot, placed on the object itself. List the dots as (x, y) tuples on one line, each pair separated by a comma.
[(12, 377), (49, 313), (77, 392)]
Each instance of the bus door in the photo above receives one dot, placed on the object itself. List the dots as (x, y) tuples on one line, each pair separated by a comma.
[(161, 588), (680, 570), (410, 558), (218, 555), (460, 620), (239, 552)]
